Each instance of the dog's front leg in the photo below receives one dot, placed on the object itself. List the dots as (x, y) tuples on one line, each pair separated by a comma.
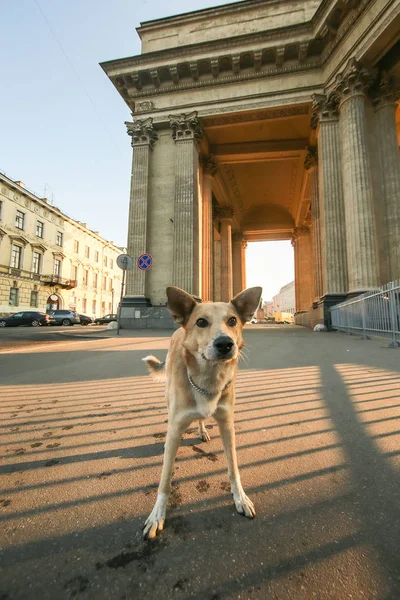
[(155, 522), (227, 430)]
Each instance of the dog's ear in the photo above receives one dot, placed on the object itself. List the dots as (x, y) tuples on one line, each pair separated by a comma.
[(247, 302), (180, 304)]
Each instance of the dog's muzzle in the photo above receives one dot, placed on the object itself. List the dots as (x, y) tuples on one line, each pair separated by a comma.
[(224, 346)]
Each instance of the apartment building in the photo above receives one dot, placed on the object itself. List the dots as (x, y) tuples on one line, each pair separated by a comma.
[(50, 261), (284, 300)]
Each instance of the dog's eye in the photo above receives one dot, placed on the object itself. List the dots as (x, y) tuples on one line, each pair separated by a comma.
[(202, 323), (232, 321)]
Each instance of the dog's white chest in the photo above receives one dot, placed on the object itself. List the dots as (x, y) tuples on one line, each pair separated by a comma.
[(205, 407)]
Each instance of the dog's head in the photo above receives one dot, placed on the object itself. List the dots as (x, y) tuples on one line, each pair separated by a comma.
[(213, 329)]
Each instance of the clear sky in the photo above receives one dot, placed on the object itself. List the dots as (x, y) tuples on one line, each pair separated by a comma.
[(61, 120)]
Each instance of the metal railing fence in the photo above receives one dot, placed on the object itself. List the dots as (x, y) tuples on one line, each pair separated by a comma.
[(372, 314)]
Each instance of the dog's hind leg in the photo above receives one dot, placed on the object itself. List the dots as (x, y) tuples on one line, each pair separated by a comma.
[(243, 504), (203, 433), (155, 522)]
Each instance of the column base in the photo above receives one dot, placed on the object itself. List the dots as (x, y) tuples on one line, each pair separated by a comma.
[(319, 312), (147, 317), (324, 306)]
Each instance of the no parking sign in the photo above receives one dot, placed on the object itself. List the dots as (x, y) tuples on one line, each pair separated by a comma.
[(144, 262)]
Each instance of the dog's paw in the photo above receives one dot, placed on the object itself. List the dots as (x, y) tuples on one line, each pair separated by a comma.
[(244, 505), (155, 521), (204, 435)]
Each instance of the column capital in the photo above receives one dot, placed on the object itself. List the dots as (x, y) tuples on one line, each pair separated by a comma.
[(237, 236), (210, 165), (185, 127), (311, 159), (223, 212), (384, 93), (142, 132), (325, 107), (299, 232), (354, 80)]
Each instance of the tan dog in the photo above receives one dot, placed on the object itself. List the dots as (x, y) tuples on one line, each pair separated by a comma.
[(200, 370)]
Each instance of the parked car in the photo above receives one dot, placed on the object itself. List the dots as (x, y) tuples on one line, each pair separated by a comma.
[(85, 320), (27, 318), (105, 320), (65, 317)]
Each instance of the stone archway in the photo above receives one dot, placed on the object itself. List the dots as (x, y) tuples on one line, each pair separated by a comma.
[(54, 302)]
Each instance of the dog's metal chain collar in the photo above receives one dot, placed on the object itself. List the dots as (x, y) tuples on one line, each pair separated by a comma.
[(206, 392)]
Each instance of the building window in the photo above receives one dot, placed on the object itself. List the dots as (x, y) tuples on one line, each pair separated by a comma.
[(57, 267), (94, 307), (95, 280), (34, 298), (59, 238), (75, 273), (83, 305), (19, 219), (16, 254), (111, 285), (104, 283), (1, 210), (105, 261), (111, 263), (39, 228), (36, 262), (87, 252), (85, 277), (96, 255), (14, 296), (109, 307), (76, 246)]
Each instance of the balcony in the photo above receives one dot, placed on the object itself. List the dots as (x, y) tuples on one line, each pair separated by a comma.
[(67, 284)]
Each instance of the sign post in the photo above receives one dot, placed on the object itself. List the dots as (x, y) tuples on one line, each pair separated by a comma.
[(125, 262)]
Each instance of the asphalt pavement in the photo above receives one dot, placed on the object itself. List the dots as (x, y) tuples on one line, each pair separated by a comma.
[(22, 337), (318, 436)]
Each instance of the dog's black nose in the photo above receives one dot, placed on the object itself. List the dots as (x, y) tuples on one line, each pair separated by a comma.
[(223, 344)]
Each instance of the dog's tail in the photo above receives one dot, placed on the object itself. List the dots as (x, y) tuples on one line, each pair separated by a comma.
[(156, 367)]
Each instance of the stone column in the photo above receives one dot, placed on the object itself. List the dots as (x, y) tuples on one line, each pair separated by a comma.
[(238, 262), (209, 170), (186, 253), (217, 266), (389, 170), (311, 165), (361, 238), (332, 221), (225, 217), (143, 136), (304, 278)]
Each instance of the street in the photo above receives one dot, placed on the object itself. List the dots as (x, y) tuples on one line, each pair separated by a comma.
[(318, 439), (20, 337)]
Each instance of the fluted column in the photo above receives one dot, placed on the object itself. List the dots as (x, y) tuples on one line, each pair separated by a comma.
[(361, 237), (311, 165), (209, 171), (332, 221), (389, 171), (225, 215), (217, 267), (186, 253), (238, 262), (304, 278), (143, 136)]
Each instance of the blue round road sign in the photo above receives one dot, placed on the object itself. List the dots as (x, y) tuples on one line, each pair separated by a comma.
[(144, 261)]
